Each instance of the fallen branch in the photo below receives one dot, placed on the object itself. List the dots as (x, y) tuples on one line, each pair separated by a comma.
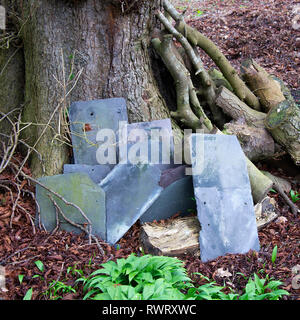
[(208, 86), (184, 86), (288, 201), (198, 39)]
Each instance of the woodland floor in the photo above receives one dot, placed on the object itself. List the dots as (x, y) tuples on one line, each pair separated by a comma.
[(260, 29)]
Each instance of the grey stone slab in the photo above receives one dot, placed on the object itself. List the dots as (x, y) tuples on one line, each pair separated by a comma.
[(87, 118), (96, 173), (178, 197), (130, 190), (149, 142), (223, 196), (79, 189)]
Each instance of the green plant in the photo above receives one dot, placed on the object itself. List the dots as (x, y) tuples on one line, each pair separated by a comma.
[(73, 270), (57, 288), (199, 13), (39, 265), (295, 196), (274, 254), (28, 294), (262, 289), (21, 277), (142, 278)]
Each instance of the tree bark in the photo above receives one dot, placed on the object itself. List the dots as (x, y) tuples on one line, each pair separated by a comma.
[(111, 49), (11, 85)]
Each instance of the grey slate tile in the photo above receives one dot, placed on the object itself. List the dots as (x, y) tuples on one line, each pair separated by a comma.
[(87, 118), (152, 142), (130, 190), (223, 197)]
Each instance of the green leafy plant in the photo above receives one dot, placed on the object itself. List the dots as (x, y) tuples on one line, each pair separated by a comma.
[(73, 270), (262, 289), (199, 13), (142, 278), (28, 294), (57, 288), (40, 265), (158, 277), (274, 254), (21, 277), (295, 196)]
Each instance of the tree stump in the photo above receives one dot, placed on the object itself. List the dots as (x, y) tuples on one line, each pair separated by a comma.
[(174, 237)]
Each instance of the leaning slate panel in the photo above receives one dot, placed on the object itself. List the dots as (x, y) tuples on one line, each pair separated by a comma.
[(148, 142), (176, 197), (96, 172), (223, 197), (76, 188), (87, 118), (130, 190)]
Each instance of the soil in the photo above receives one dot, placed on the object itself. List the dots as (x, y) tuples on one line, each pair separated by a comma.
[(258, 29)]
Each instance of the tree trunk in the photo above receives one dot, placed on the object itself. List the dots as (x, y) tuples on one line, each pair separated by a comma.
[(99, 47)]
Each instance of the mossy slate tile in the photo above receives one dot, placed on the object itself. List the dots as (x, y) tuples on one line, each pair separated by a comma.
[(79, 189)]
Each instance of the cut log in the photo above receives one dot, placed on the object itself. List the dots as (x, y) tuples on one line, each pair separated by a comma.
[(265, 212), (262, 84), (283, 122), (176, 237), (237, 109), (257, 143)]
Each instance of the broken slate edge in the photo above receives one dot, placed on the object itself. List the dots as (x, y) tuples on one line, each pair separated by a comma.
[(223, 196), (96, 173), (164, 157), (177, 197), (87, 118), (130, 190), (176, 237), (79, 189)]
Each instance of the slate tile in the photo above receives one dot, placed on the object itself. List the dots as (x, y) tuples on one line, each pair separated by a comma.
[(79, 189), (130, 190), (223, 196), (87, 118)]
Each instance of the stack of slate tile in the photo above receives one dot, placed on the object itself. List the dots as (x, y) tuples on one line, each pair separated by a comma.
[(149, 185), (138, 186)]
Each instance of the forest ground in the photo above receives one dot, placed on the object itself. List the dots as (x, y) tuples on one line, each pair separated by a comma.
[(259, 29)]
